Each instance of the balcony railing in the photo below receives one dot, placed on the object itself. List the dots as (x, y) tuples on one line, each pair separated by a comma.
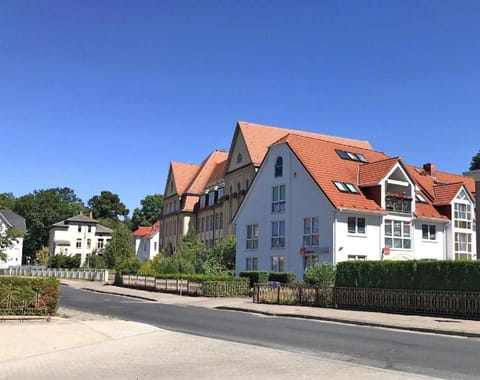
[(396, 203)]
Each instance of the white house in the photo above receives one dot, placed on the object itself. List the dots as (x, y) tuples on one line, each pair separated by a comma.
[(318, 200), (10, 219), (78, 236), (146, 241)]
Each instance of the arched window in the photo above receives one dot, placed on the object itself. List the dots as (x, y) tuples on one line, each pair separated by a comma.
[(279, 167)]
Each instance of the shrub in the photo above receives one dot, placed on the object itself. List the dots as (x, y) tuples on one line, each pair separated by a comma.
[(320, 276), (283, 277), (255, 276), (34, 294), (64, 261)]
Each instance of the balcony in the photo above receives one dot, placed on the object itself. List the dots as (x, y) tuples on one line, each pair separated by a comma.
[(401, 203)]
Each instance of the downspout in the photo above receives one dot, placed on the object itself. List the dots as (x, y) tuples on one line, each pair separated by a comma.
[(334, 245), (445, 240)]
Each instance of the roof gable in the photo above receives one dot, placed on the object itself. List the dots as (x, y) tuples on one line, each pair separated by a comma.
[(183, 175), (12, 219), (374, 172), (147, 232), (210, 170)]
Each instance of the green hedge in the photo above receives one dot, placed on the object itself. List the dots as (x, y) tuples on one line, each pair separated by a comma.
[(255, 276), (412, 274), (196, 277), (29, 295), (283, 277)]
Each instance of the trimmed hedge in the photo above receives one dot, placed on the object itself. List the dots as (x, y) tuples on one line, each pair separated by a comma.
[(197, 277), (461, 275), (261, 277), (255, 276), (29, 295)]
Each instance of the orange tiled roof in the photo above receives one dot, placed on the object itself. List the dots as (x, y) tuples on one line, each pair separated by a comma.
[(428, 211), (208, 168), (147, 232), (183, 175), (259, 137), (190, 203), (325, 166), (445, 193), (374, 172)]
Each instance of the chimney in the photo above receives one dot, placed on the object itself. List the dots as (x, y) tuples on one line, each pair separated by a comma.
[(430, 169)]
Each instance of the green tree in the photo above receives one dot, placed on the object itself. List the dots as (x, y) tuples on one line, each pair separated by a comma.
[(41, 209), (107, 205), (120, 249), (8, 238), (320, 276), (7, 201), (42, 256), (475, 164), (149, 213), (192, 250)]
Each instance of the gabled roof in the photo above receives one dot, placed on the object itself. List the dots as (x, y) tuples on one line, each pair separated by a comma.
[(183, 175), (259, 137), (147, 232), (208, 168), (373, 172), (100, 229), (12, 219), (445, 193), (325, 166), (75, 219), (427, 211)]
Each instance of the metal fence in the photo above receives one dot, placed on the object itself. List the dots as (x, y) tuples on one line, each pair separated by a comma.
[(13, 302), (452, 303), (80, 274), (186, 287)]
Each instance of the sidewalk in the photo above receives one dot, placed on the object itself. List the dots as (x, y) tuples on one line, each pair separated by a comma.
[(436, 325)]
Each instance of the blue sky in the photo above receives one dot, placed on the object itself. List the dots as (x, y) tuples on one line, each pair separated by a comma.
[(102, 95)]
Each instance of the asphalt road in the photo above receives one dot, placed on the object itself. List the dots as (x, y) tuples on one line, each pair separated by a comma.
[(433, 355)]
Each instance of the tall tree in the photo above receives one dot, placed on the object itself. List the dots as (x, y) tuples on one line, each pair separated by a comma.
[(475, 164), (107, 205), (120, 252), (41, 209), (7, 201), (149, 213)]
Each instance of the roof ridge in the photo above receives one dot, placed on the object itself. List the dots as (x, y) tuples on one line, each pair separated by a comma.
[(320, 138)]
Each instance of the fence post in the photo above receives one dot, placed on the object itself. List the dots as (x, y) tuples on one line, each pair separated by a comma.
[(278, 294)]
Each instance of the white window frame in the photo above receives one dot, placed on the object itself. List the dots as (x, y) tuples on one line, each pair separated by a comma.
[(311, 231), (462, 213), (463, 246), (278, 234), (397, 234), (252, 236), (277, 263), (251, 263), (357, 228), (278, 203), (428, 235)]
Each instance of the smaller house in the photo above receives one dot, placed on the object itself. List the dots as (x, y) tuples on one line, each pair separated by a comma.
[(146, 241), (78, 236), (10, 219)]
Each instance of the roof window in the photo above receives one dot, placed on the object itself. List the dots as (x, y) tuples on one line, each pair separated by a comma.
[(420, 198), (351, 156), (346, 187)]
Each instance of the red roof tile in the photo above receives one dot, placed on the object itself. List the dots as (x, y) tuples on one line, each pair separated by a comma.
[(259, 137), (183, 175), (374, 172), (209, 168), (147, 232), (445, 193)]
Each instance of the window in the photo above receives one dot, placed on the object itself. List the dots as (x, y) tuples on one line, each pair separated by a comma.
[(220, 192), (144, 246), (278, 234), (202, 200), (278, 264), (351, 156), (207, 227), (279, 167), (356, 225), (278, 198), (346, 187), (397, 234), (89, 243), (252, 263), (239, 158), (100, 244), (89, 228), (357, 257), (420, 198), (309, 260), (429, 232), (311, 232), (79, 228), (252, 236), (79, 243), (463, 246), (211, 198), (462, 215), (154, 246), (202, 224), (212, 221)]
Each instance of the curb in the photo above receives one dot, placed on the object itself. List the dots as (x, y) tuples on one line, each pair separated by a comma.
[(119, 294), (355, 322)]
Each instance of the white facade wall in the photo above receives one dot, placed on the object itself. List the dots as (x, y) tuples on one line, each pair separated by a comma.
[(13, 253), (427, 248), (147, 249)]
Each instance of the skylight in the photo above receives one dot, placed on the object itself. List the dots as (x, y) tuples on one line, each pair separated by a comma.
[(346, 187), (351, 156), (420, 198)]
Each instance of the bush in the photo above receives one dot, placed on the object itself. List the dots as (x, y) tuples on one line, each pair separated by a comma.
[(320, 276), (255, 276), (283, 277), (64, 261), (412, 274), (33, 294)]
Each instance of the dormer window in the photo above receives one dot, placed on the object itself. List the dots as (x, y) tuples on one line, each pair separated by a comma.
[(279, 167)]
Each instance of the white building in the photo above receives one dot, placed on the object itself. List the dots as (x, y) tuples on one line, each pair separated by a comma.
[(146, 241), (10, 219), (78, 236), (318, 200)]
